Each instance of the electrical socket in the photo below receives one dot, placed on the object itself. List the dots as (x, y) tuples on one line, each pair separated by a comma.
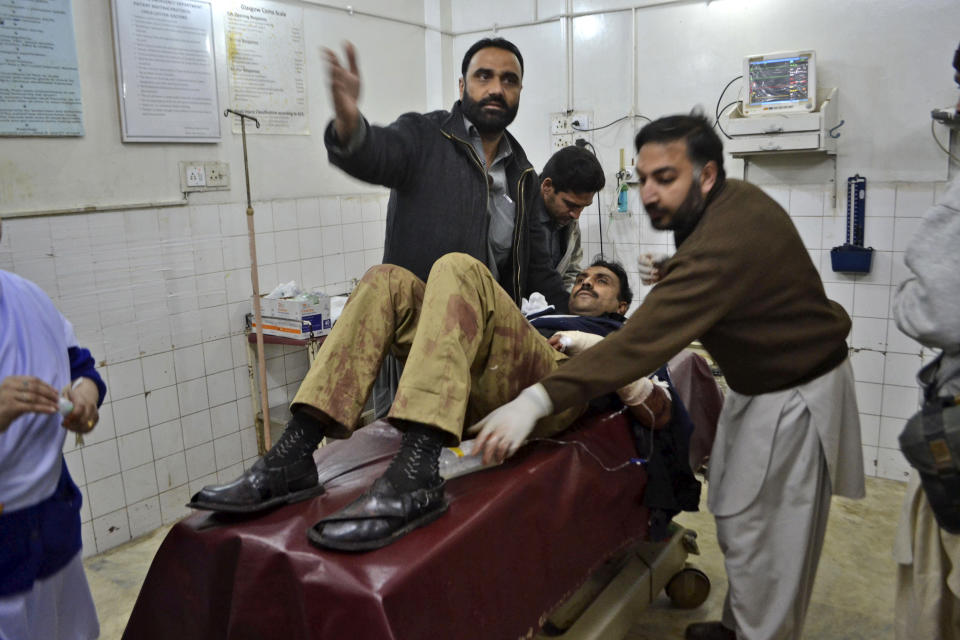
[(196, 176), (563, 122), (561, 140), (218, 174)]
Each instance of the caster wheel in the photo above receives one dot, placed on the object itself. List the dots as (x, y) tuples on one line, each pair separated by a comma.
[(688, 589)]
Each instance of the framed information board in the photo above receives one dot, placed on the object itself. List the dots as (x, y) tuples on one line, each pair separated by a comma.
[(166, 70)]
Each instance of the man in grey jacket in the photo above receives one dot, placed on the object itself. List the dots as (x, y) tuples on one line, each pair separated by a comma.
[(459, 181), (567, 184), (926, 307)]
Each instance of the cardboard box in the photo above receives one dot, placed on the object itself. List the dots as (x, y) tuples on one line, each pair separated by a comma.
[(294, 318)]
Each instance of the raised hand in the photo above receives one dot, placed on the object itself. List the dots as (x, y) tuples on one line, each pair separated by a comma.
[(345, 91)]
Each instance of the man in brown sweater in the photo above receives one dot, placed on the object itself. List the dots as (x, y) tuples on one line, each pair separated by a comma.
[(742, 282)]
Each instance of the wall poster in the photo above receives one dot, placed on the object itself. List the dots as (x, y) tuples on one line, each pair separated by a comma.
[(39, 80)]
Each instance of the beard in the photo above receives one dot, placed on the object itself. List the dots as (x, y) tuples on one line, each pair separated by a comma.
[(488, 122), (685, 216)]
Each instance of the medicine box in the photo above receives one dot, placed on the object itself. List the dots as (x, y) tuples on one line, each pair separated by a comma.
[(294, 318)]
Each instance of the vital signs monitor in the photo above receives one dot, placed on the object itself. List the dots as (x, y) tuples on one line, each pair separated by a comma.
[(779, 83)]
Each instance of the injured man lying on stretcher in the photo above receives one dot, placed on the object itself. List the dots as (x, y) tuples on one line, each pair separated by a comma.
[(468, 350)]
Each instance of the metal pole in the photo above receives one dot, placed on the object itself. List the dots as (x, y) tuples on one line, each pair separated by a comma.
[(255, 282)]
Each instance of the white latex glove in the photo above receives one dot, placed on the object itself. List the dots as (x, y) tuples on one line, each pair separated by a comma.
[(504, 429), (649, 266), (573, 342)]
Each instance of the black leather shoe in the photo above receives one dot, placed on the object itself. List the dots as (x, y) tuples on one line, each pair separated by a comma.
[(709, 631), (378, 517), (261, 488)]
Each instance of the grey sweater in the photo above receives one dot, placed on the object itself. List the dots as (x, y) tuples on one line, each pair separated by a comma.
[(926, 306)]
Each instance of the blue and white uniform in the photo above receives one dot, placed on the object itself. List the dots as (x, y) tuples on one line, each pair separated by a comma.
[(43, 589)]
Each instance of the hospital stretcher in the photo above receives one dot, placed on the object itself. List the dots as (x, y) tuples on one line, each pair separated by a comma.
[(552, 543)]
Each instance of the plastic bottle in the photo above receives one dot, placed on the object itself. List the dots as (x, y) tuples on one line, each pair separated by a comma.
[(64, 407), (622, 198), (459, 461)]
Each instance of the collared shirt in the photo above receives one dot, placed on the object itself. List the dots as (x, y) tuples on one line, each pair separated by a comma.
[(500, 206), (556, 238)]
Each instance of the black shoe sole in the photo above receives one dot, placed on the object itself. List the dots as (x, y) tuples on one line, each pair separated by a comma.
[(316, 537), (289, 498)]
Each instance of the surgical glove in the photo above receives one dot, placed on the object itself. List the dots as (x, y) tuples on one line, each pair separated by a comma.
[(649, 266), (504, 429), (649, 405), (573, 342)]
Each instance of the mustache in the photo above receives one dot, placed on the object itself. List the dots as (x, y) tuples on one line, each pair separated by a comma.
[(493, 100)]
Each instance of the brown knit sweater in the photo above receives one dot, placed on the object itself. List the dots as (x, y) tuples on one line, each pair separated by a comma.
[(742, 283)]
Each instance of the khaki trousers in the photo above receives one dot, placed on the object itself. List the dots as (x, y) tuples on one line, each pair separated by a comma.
[(467, 347)]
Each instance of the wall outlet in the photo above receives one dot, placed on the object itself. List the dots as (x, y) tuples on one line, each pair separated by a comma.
[(218, 174), (196, 176), (200, 175), (561, 140), (570, 122)]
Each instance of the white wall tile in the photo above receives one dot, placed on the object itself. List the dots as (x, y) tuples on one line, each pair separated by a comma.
[(196, 429), (189, 363), (200, 460), (871, 301), (308, 213), (192, 396), (100, 460), (879, 233), (881, 199), (196, 485), (227, 450), (88, 539), (124, 379), (105, 495), (248, 443), (135, 449), (166, 439), (220, 388), (869, 333), (312, 273), (900, 402), (903, 230), (217, 355), (869, 461), (171, 471), (158, 371), (227, 474), (898, 342), (892, 465), (103, 431), (869, 397), (880, 268), (74, 460), (867, 366), (140, 483), (214, 323), (332, 241), (901, 369), (111, 530), (162, 405), (350, 210), (333, 269), (173, 504), (889, 433), (806, 200), (233, 221), (223, 419), (236, 253), (913, 199), (869, 429), (144, 516), (353, 266), (311, 242), (329, 211), (211, 290), (352, 235)]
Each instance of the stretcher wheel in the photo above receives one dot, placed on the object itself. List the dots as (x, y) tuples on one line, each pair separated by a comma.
[(688, 589)]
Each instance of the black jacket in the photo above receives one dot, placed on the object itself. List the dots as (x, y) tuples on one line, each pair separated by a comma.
[(438, 199)]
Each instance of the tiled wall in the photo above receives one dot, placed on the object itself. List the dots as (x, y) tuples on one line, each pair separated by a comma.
[(885, 361), (159, 297)]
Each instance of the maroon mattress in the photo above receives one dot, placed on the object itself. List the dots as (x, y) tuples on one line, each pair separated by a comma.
[(516, 541)]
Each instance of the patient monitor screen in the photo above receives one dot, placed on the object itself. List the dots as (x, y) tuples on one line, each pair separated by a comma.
[(779, 83)]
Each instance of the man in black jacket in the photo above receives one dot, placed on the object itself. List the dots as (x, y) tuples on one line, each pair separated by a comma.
[(459, 181)]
